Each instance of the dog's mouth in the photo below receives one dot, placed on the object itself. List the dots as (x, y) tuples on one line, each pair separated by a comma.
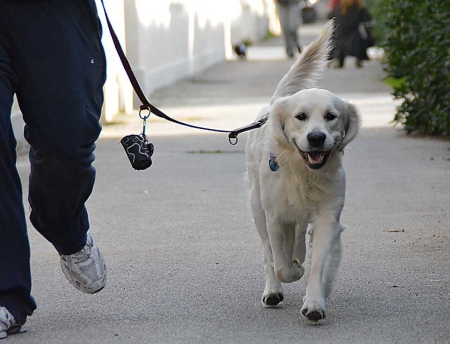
[(315, 159)]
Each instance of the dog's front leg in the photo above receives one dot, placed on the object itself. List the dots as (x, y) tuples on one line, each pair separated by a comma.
[(326, 237), (282, 240), (300, 241), (273, 291)]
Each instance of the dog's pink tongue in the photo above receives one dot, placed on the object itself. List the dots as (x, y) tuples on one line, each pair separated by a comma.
[(315, 157)]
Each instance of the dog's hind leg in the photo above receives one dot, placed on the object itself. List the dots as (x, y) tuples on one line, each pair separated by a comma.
[(273, 291), (326, 239)]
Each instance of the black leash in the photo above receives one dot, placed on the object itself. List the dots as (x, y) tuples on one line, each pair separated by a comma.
[(147, 106)]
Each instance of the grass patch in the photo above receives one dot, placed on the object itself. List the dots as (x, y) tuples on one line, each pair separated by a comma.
[(394, 82)]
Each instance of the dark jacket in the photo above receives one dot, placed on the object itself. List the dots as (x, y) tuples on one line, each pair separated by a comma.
[(347, 38)]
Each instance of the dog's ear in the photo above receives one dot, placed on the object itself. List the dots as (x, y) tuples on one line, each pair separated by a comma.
[(352, 124), (277, 121)]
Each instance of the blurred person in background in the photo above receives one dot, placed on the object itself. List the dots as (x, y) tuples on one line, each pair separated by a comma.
[(333, 4), (289, 14), (350, 19)]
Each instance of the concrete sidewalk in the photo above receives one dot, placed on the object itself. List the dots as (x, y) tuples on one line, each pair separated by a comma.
[(183, 256)]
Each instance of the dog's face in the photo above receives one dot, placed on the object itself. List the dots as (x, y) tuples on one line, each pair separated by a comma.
[(315, 122)]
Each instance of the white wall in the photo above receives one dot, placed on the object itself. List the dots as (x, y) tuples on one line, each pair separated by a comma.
[(166, 40), (255, 20), (118, 91)]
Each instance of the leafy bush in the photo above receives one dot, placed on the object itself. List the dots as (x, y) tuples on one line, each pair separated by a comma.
[(376, 9), (417, 46)]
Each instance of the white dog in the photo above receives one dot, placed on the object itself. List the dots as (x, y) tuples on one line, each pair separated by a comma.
[(294, 166)]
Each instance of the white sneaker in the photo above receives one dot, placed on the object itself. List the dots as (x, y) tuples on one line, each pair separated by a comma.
[(8, 324), (85, 270)]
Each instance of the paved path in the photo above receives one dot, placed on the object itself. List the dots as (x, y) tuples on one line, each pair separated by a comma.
[(184, 259)]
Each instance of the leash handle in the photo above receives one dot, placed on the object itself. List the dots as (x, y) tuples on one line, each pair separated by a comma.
[(146, 105)]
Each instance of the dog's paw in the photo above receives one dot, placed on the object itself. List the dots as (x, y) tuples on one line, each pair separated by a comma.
[(313, 311), (272, 300), (291, 274)]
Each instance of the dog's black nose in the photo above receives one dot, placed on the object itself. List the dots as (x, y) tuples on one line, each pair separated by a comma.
[(316, 138)]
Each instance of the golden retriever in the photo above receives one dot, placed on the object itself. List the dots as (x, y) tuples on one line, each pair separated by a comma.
[(294, 167)]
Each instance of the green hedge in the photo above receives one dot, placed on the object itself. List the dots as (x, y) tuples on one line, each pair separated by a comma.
[(417, 45), (376, 9)]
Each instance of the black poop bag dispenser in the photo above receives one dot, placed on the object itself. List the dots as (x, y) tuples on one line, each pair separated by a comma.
[(138, 149)]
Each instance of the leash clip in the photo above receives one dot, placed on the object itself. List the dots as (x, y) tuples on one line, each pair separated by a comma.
[(233, 135), (233, 139), (144, 119), (143, 108)]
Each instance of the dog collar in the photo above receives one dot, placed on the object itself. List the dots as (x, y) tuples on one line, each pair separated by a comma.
[(273, 163)]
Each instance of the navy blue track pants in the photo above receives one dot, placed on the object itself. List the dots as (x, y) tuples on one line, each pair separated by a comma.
[(52, 59)]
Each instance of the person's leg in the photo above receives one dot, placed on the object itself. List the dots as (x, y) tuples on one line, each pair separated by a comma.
[(339, 56), (15, 278), (294, 14), (341, 60), (284, 16), (61, 67), (290, 20)]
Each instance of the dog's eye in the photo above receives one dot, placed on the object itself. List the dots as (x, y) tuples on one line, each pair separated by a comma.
[(329, 116), (301, 117)]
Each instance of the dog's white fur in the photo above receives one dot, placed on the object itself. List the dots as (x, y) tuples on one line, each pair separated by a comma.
[(301, 191)]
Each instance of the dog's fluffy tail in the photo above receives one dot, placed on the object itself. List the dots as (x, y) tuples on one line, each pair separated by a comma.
[(309, 67)]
